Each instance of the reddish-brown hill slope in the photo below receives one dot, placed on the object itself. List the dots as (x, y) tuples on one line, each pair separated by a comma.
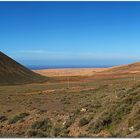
[(12, 72), (124, 69)]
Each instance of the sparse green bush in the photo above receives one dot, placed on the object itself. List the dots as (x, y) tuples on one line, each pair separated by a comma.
[(72, 118), (82, 136), (3, 118), (135, 119), (57, 131), (83, 121), (119, 112), (65, 133), (65, 100), (102, 122), (69, 122), (60, 131), (44, 125), (93, 106), (36, 134), (16, 118)]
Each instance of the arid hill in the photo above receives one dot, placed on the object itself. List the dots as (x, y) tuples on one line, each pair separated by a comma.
[(130, 68), (120, 71), (97, 103), (12, 72)]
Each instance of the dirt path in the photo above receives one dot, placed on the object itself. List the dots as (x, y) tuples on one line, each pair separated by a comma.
[(68, 90)]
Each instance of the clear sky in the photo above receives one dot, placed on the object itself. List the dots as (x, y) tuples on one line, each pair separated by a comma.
[(70, 33)]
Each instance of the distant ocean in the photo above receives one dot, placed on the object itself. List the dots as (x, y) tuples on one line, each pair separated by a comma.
[(60, 67)]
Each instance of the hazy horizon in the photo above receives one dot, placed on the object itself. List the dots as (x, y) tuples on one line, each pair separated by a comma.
[(66, 34), (40, 67)]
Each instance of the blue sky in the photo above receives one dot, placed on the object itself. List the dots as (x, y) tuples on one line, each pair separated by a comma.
[(70, 33)]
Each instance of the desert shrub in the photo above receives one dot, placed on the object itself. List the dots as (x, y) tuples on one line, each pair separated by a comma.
[(45, 128), (9, 110), (102, 122), (123, 89), (135, 120), (93, 106), (124, 107), (60, 131), (115, 112), (130, 90), (135, 88), (34, 133), (137, 126), (65, 133), (16, 118), (136, 98), (68, 123), (83, 121), (126, 104), (83, 136), (121, 111), (44, 125), (132, 98), (57, 131), (3, 118), (65, 100), (71, 118), (41, 111)]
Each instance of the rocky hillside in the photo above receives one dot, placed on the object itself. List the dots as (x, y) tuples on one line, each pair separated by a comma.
[(11, 72)]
